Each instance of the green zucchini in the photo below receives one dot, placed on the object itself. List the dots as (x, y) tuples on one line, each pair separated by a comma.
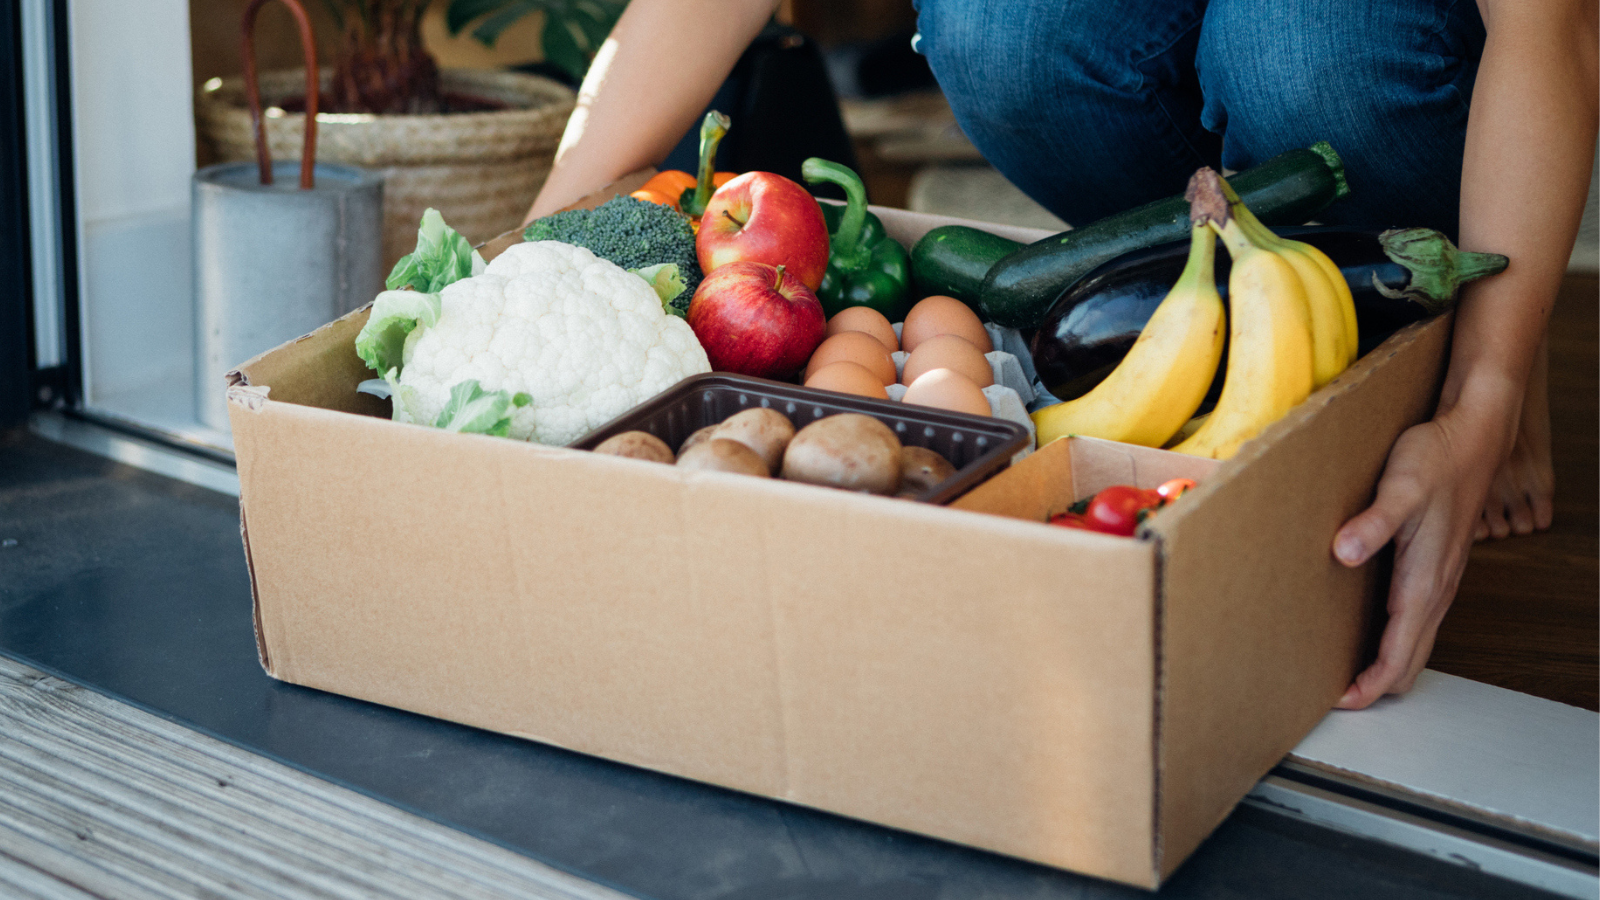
[(1287, 189), (952, 260)]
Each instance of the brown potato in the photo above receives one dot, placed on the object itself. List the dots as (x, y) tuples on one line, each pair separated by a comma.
[(637, 445), (847, 450), (921, 469), (723, 455), (766, 431), (702, 434)]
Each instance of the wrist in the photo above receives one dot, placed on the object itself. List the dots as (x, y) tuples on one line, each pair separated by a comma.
[(1483, 411)]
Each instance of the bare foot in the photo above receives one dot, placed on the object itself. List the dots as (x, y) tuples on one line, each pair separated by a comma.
[(1520, 498)]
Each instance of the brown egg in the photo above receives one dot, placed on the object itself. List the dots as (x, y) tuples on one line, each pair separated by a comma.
[(866, 320), (854, 346), (945, 389), (847, 378), (938, 314), (947, 351)]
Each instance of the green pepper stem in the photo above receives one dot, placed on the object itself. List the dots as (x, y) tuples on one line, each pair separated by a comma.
[(712, 130), (846, 245)]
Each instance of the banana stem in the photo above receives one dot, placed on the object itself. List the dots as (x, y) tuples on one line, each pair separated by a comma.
[(1200, 270), (1235, 238), (1209, 204), (1255, 227)]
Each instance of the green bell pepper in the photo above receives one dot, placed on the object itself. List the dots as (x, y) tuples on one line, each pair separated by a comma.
[(866, 267)]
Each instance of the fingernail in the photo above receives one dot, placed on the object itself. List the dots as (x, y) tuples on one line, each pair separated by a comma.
[(1348, 549), (1349, 695)]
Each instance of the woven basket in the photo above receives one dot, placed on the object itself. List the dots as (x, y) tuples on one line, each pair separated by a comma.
[(481, 170)]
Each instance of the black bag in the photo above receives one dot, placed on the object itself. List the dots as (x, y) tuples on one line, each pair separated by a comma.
[(783, 108)]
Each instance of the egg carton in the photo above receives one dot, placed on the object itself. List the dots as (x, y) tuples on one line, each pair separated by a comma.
[(1014, 391)]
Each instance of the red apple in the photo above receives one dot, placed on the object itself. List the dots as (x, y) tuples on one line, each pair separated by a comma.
[(766, 218), (756, 319)]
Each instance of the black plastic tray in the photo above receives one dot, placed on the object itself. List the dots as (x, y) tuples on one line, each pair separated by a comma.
[(978, 446)]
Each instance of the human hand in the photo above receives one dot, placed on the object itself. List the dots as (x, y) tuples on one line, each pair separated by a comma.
[(1429, 501)]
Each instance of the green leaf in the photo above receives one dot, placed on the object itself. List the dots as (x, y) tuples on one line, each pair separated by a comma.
[(394, 315), (490, 29), (460, 12), (562, 49), (595, 20), (442, 257), (667, 282), (472, 409)]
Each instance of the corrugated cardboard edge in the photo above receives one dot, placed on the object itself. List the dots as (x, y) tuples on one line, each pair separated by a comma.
[(250, 397), (1075, 468), (1177, 839), (902, 225)]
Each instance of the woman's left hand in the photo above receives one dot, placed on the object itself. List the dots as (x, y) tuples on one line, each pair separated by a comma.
[(1429, 500)]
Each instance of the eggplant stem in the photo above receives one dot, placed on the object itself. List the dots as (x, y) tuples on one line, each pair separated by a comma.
[(1437, 268)]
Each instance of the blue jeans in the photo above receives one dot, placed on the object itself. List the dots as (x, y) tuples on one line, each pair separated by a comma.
[(1095, 106)]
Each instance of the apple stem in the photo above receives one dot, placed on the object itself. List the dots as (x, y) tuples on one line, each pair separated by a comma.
[(733, 218), (777, 283)]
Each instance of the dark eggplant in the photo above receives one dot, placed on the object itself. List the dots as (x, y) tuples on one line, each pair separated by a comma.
[(1396, 277)]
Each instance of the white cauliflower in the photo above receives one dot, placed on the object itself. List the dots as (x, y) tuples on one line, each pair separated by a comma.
[(584, 339)]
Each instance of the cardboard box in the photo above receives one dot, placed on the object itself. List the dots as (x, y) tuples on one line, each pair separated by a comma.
[(968, 672)]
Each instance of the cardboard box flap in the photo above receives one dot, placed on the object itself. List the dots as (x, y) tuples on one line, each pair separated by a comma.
[(319, 369), (255, 596), (905, 227), (1257, 634)]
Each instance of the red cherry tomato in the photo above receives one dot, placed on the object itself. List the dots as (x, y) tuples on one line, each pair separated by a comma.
[(1115, 510), (1173, 489)]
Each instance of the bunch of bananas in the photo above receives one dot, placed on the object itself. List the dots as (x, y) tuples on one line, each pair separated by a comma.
[(1291, 329)]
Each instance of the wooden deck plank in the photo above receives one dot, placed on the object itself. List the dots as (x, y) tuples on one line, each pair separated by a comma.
[(100, 799), (1527, 614)]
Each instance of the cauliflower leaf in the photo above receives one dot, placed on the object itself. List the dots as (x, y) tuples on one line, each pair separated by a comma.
[(395, 314), (442, 257), (475, 410), (667, 281)]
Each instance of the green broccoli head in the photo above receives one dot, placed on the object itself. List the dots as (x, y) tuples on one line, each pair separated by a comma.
[(631, 233)]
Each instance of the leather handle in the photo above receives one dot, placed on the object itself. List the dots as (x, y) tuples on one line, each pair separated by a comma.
[(252, 90)]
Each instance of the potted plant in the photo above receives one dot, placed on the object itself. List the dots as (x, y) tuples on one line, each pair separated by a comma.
[(474, 144), (572, 33)]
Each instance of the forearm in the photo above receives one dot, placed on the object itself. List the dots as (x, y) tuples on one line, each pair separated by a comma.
[(659, 68), (1530, 146)]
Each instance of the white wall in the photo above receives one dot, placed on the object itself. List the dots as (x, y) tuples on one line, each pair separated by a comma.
[(133, 138), (134, 117)]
